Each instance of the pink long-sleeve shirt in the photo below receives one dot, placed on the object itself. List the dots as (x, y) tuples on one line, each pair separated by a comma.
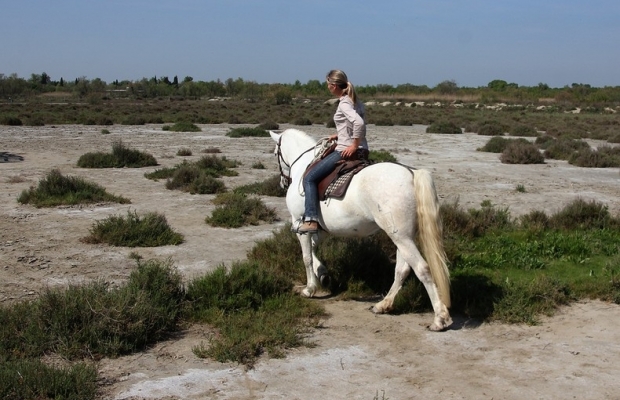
[(350, 124)]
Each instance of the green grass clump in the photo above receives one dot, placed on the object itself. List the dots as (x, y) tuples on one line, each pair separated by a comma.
[(182, 126), (268, 187), (149, 230), (443, 127), (243, 132), (197, 177), (254, 312), (237, 209), (56, 189), (32, 379), (381, 156), (492, 128), (121, 157)]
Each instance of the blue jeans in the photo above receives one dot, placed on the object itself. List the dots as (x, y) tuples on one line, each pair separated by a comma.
[(311, 183)]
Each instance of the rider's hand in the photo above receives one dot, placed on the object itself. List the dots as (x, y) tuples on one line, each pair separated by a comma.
[(349, 151)]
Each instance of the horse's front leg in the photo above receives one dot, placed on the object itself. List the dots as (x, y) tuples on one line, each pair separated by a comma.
[(316, 272)]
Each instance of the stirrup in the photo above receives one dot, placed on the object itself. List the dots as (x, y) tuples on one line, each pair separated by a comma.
[(299, 224)]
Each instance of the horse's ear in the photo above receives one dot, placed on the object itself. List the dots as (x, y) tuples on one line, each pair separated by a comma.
[(275, 136)]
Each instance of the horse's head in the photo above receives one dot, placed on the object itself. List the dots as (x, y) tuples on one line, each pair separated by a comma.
[(283, 166)]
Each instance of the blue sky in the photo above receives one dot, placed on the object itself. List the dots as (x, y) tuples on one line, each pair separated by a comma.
[(557, 42)]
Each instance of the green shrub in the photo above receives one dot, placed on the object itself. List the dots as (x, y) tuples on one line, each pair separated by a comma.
[(496, 144), (237, 209), (105, 131), (521, 153), (522, 130), (580, 214), (492, 128), (121, 157), (269, 126), (184, 152), (563, 149), (443, 127), (268, 187), (183, 126), (384, 122), (10, 120), (243, 132), (381, 156), (134, 120), (302, 121), (56, 189), (150, 230), (603, 157), (544, 141), (33, 379)]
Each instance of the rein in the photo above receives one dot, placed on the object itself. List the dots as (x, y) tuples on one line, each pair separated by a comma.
[(287, 179)]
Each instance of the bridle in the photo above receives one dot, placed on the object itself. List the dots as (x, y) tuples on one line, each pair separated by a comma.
[(286, 179)]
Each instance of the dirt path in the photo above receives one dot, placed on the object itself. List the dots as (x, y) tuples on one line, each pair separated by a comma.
[(575, 354)]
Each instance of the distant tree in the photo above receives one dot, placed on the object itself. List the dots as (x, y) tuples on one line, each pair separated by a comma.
[(188, 79), (175, 81), (447, 87), (497, 85)]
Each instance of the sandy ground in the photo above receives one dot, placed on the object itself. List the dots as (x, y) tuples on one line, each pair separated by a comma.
[(359, 355)]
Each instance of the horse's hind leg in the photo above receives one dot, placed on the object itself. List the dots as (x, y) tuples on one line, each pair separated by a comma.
[(316, 273), (408, 256)]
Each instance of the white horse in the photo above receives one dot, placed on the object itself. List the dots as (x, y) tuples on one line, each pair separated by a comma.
[(387, 196)]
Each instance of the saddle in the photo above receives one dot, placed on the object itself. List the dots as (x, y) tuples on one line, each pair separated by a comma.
[(336, 183)]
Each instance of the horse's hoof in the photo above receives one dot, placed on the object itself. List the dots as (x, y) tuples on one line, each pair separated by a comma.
[(376, 310), (307, 293), (325, 281)]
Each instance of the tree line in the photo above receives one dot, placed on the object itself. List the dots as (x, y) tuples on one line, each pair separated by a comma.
[(13, 87)]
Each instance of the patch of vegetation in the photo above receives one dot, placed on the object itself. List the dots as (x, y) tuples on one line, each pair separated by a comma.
[(184, 152), (121, 157), (521, 153), (492, 128), (603, 157), (56, 189), (211, 150), (269, 126), (182, 126), (448, 127), (244, 132), (105, 131), (258, 165), (496, 144), (234, 301), (381, 155), (149, 230), (268, 187), (235, 210), (10, 120), (563, 149), (199, 177), (522, 130)]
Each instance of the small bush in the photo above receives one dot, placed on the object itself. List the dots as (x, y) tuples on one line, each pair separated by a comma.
[(243, 132), (237, 209), (134, 120), (183, 126), (580, 214), (603, 157), (521, 153), (150, 230), (269, 126), (381, 156), (121, 157), (268, 187), (492, 128), (258, 165), (211, 150), (496, 144), (56, 189), (11, 121), (563, 149), (443, 127), (523, 130), (302, 121), (105, 131), (184, 152)]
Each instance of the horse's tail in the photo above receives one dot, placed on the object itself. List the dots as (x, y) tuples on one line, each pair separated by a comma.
[(430, 231)]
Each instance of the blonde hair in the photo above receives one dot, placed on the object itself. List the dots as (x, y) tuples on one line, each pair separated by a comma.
[(339, 78)]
